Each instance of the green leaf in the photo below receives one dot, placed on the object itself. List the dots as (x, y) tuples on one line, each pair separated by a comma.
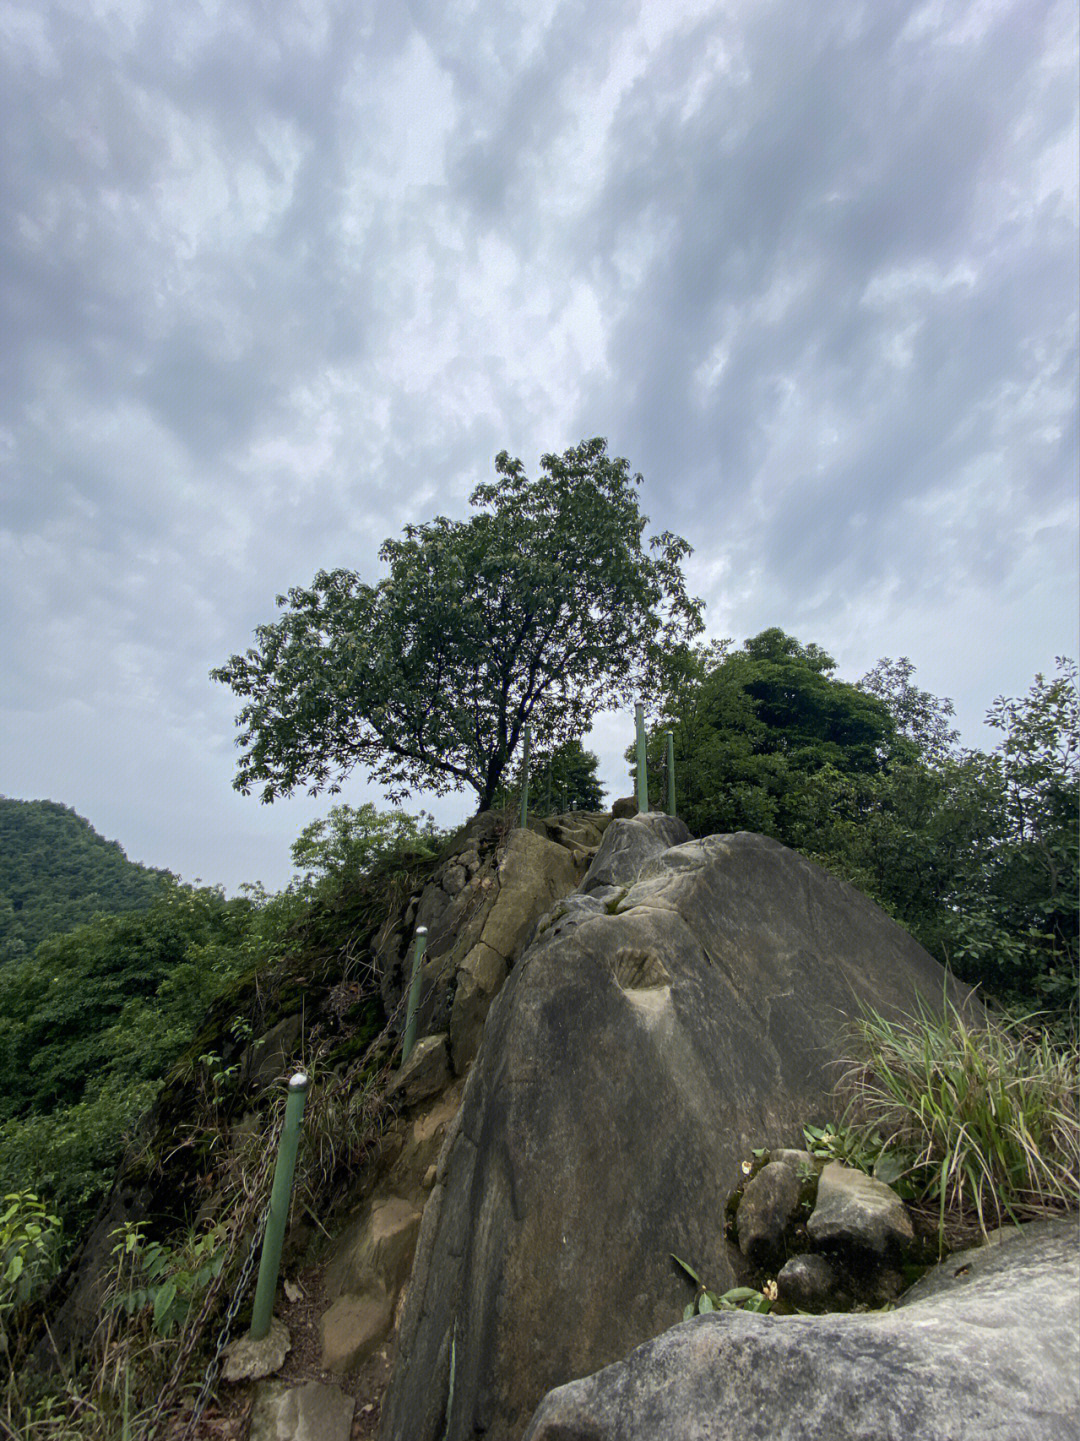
[(163, 1300), (705, 1303), (689, 1270), (689, 1309)]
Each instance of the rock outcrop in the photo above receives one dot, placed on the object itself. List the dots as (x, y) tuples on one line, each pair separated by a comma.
[(683, 1006), (985, 1347), (481, 908)]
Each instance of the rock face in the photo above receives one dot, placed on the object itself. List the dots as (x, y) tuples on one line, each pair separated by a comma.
[(479, 914), (609, 1107), (984, 1348)]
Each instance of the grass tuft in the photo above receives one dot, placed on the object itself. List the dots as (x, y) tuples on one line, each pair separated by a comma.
[(984, 1117)]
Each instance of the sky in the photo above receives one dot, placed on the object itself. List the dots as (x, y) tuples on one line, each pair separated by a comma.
[(279, 279)]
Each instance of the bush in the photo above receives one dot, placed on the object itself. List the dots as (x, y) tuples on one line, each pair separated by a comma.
[(982, 1122)]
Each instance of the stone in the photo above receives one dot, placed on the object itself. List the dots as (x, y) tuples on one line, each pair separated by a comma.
[(797, 1160), (268, 1058), (624, 808), (312, 1412), (767, 1207), (376, 1254), (351, 1328), (589, 1118), (637, 970), (984, 1348), (627, 846), (424, 1074), (479, 977), (856, 1210), (806, 1281), (454, 879), (246, 1359), (534, 872)]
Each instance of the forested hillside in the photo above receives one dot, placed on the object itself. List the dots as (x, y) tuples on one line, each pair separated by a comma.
[(56, 872)]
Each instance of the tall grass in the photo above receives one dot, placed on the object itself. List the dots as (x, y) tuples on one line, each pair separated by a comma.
[(984, 1118)]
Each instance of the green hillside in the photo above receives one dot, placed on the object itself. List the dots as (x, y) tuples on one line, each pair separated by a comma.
[(56, 872)]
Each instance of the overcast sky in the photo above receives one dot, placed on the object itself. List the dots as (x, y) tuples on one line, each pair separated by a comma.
[(277, 279)]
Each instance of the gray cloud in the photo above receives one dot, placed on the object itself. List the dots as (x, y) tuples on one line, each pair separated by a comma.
[(277, 279)]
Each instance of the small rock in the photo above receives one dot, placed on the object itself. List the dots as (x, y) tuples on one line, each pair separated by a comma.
[(807, 1282), (249, 1360), (768, 1204), (854, 1209), (429, 1177), (352, 1328), (794, 1159), (424, 1074), (454, 880), (624, 808), (312, 1412)]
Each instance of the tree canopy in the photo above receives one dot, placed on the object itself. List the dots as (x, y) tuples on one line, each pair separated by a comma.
[(975, 852), (754, 726), (541, 608)]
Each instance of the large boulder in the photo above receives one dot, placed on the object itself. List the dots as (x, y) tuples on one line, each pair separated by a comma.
[(645, 1041), (985, 1348)]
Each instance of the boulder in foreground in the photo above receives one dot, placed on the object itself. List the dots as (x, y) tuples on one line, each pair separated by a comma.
[(985, 1348)]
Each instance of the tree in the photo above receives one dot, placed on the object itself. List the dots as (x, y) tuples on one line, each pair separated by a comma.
[(755, 729), (922, 719), (564, 780), (56, 872), (1014, 924), (542, 607)]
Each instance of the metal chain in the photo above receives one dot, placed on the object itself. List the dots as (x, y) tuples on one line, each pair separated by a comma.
[(214, 1366), (194, 1330)]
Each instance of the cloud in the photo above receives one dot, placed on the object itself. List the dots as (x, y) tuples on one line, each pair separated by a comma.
[(276, 280)]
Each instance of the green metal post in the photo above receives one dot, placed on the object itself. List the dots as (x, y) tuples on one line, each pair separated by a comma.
[(414, 994), (527, 737), (642, 772), (670, 773), (280, 1196)]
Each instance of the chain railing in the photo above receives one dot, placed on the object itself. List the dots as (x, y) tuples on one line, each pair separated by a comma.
[(258, 1203)]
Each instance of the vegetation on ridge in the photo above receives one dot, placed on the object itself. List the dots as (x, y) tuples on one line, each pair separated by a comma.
[(975, 853), (56, 872)]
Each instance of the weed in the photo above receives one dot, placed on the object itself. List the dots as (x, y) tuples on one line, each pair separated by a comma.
[(981, 1121)]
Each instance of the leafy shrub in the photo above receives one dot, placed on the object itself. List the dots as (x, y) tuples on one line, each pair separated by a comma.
[(29, 1246)]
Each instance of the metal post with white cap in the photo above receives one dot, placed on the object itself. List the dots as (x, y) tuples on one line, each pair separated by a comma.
[(642, 772), (280, 1196), (414, 994)]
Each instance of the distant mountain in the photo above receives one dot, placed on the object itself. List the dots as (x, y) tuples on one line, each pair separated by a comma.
[(56, 872)]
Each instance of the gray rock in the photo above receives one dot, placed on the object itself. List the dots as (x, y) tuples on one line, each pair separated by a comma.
[(454, 879), (985, 1348), (806, 1281), (424, 1074), (795, 1159), (624, 808), (594, 1113), (767, 1207), (312, 1412), (856, 1210), (351, 1328), (249, 1360), (628, 844)]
